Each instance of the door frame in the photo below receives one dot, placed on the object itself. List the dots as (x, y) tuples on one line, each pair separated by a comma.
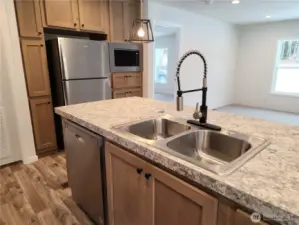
[(151, 55)]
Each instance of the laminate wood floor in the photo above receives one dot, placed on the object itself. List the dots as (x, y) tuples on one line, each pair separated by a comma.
[(38, 194)]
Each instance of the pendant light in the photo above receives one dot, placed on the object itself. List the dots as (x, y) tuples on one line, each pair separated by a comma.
[(141, 30)]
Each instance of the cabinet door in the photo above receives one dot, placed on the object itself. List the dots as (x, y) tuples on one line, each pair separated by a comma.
[(36, 69), (131, 12), (61, 13), (125, 80), (176, 202), (93, 15), (116, 11), (29, 18), (43, 124), (244, 219), (128, 193)]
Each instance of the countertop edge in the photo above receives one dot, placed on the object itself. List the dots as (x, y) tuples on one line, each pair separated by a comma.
[(232, 193)]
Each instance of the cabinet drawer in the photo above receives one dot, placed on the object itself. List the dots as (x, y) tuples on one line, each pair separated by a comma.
[(127, 93), (43, 124), (125, 80)]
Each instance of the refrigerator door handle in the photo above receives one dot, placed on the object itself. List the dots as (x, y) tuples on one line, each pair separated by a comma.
[(61, 61), (64, 86)]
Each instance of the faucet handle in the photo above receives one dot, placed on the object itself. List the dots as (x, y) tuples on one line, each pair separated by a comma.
[(197, 114)]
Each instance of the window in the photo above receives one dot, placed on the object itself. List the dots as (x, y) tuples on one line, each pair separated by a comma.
[(161, 64), (286, 77)]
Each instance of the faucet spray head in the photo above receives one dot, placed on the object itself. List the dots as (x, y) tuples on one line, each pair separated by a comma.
[(179, 103)]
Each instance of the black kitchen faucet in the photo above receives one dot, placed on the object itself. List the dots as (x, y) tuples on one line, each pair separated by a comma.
[(202, 113)]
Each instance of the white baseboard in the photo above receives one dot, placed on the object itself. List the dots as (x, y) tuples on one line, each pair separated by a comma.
[(30, 159)]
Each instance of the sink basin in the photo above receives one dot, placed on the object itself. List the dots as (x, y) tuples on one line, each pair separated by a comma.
[(204, 143), (156, 129), (218, 152)]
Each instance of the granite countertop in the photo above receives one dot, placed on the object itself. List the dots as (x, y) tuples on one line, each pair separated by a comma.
[(267, 184)]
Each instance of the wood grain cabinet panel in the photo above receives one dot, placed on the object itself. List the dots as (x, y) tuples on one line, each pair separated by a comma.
[(123, 93), (61, 13), (43, 124), (126, 80), (122, 14), (116, 11), (128, 195), (176, 202), (29, 18), (139, 193), (36, 69), (94, 15), (131, 12)]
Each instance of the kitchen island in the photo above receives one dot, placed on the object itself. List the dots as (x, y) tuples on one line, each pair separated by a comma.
[(266, 184)]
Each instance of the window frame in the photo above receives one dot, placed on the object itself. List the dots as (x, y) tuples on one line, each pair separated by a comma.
[(277, 67)]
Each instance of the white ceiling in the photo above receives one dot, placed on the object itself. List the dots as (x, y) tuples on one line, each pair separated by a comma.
[(248, 11)]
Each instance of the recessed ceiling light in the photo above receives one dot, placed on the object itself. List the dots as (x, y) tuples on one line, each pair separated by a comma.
[(268, 17), (235, 1)]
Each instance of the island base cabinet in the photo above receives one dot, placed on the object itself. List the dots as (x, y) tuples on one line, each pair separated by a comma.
[(127, 190), (176, 202), (139, 193)]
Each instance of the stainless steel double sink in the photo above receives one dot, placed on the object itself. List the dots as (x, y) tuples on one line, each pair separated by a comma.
[(219, 152)]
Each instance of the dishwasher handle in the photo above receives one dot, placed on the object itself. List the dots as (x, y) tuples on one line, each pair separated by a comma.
[(79, 138)]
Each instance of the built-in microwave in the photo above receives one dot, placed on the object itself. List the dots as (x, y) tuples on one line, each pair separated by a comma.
[(125, 57)]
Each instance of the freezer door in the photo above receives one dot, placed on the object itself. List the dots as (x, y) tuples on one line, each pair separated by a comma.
[(83, 59), (80, 91)]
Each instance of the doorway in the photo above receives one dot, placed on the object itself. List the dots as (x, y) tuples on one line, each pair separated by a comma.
[(165, 60)]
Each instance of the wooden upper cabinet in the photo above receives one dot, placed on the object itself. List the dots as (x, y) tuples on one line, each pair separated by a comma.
[(131, 12), (128, 194), (61, 13), (94, 15), (122, 15), (43, 123), (35, 66), (29, 18), (176, 202), (116, 11)]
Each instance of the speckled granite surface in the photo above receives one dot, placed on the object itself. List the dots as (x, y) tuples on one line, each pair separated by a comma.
[(268, 183)]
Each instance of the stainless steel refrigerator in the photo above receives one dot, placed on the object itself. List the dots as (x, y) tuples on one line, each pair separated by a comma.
[(80, 69), (79, 72)]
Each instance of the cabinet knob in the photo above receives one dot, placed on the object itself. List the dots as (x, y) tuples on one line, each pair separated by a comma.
[(139, 170), (39, 33), (41, 45), (82, 25), (49, 103), (75, 24), (147, 176)]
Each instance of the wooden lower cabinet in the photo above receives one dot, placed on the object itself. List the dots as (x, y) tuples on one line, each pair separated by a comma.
[(123, 93), (126, 80), (176, 202), (139, 193), (43, 124), (128, 193)]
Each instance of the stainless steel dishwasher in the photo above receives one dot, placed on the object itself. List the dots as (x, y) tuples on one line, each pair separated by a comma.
[(85, 168)]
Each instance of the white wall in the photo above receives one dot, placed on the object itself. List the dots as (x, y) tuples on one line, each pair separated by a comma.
[(169, 42), (13, 90), (255, 65), (215, 39)]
